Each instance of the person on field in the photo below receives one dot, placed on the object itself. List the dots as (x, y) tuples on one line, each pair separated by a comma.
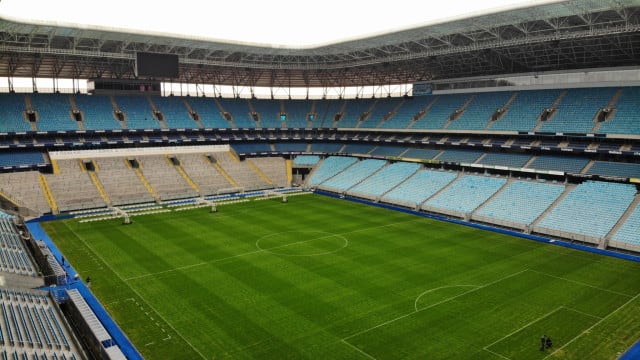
[(543, 342), (549, 342)]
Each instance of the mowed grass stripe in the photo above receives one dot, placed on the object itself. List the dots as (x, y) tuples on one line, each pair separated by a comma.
[(205, 275)]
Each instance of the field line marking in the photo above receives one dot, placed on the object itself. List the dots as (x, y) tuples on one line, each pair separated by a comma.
[(524, 326), (580, 283), (496, 354), (582, 312), (594, 325), (135, 291), (415, 303), (358, 349), (255, 252), (191, 265), (480, 287)]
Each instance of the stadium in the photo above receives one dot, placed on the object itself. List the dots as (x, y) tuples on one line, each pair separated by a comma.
[(458, 189)]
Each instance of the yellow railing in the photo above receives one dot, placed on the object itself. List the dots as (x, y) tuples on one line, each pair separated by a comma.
[(225, 175), (186, 178), (47, 194), (146, 184), (259, 172), (54, 165), (289, 164), (98, 185)]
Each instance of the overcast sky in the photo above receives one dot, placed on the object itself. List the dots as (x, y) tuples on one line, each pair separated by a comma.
[(292, 23)]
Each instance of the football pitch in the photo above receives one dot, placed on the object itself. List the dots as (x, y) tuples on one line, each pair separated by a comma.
[(323, 278)]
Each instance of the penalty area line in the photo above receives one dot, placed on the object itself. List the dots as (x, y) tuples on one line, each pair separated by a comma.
[(358, 349)]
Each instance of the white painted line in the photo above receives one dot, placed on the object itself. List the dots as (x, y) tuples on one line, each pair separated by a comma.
[(358, 349), (594, 325), (580, 283), (435, 304)]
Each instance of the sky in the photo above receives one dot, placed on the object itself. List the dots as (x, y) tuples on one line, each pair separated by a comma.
[(276, 23)]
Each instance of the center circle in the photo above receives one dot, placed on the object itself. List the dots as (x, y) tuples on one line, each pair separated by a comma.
[(302, 243)]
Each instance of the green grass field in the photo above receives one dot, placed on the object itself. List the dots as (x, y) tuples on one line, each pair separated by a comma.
[(322, 278)]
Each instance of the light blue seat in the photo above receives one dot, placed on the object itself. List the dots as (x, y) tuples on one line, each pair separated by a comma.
[(521, 202), (419, 187), (466, 193), (385, 179), (629, 232), (353, 174), (330, 167), (591, 209)]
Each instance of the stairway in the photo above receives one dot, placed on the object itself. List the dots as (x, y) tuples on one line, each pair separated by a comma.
[(225, 175), (632, 207), (553, 106), (98, 185), (262, 175), (146, 184), (187, 178), (47, 193)]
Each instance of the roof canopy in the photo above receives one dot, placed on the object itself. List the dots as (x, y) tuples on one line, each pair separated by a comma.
[(571, 35)]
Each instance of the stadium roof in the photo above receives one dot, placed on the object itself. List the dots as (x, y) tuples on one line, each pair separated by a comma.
[(570, 35)]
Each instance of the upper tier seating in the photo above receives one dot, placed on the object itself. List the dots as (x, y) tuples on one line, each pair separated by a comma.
[(326, 110), (269, 111), (138, 112), (239, 109), (476, 116), (208, 112), (176, 114), (505, 159), (12, 117), (252, 147), (54, 112), (591, 209), (330, 167), (570, 164), (460, 156), (384, 180), (297, 111), (357, 149), (522, 113), (97, 111), (521, 202), (626, 119), (405, 114), (465, 194), (354, 110), (291, 146), (440, 111), (326, 147), (419, 187), (353, 175), (414, 153), (389, 150), (382, 108), (625, 170), (577, 110), (25, 158)]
